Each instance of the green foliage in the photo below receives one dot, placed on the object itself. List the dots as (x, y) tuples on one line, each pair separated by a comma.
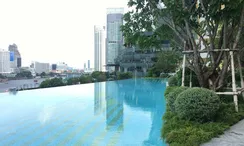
[(153, 72), (85, 79), (43, 74), (122, 76), (173, 81), (2, 76), (188, 74), (55, 82), (72, 81), (172, 96), (179, 132), (99, 76), (169, 89), (197, 104), (24, 74), (167, 62)]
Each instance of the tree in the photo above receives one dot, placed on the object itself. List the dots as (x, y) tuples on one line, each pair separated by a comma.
[(198, 24), (2, 76), (43, 74), (55, 82), (24, 74), (168, 61)]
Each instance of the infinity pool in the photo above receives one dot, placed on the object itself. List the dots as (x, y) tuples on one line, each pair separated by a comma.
[(120, 113)]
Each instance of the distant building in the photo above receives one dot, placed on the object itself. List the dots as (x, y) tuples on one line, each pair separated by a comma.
[(132, 59), (99, 48), (15, 57), (62, 66), (5, 62), (41, 67), (84, 66), (54, 67), (114, 39), (88, 64)]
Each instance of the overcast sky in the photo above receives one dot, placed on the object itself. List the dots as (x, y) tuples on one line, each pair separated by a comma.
[(53, 30)]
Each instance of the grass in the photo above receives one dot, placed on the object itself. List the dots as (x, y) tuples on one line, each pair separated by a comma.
[(178, 132)]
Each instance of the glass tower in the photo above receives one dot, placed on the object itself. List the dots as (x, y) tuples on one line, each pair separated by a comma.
[(114, 41)]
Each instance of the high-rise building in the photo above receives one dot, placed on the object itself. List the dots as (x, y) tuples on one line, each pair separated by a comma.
[(88, 64), (41, 67), (99, 48), (15, 57), (114, 40), (84, 66), (54, 67), (4, 62)]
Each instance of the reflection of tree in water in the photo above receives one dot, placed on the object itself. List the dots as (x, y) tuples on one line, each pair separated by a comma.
[(13, 92), (148, 96)]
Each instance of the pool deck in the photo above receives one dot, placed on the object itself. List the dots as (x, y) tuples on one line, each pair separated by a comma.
[(232, 137)]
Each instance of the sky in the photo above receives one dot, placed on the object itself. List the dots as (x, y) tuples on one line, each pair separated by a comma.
[(53, 30)]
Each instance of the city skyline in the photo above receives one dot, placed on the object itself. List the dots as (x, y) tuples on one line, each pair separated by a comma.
[(63, 32)]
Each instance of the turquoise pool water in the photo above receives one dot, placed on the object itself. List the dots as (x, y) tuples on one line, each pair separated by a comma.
[(120, 113)]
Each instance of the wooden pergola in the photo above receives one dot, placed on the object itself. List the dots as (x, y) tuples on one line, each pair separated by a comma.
[(235, 91)]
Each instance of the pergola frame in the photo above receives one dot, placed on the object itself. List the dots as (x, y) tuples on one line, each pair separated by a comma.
[(235, 91)]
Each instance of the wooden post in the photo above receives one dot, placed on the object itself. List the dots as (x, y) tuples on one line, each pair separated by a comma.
[(183, 71), (191, 79), (240, 70), (183, 67), (233, 81)]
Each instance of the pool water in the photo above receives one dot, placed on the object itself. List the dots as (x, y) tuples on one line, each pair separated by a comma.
[(119, 113)]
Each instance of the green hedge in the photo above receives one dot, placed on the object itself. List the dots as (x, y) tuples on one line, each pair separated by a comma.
[(173, 81), (171, 97), (197, 104)]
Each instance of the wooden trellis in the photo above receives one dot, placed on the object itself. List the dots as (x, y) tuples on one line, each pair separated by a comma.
[(235, 91)]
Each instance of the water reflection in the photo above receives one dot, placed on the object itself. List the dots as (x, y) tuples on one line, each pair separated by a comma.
[(142, 95), (99, 98), (13, 92), (114, 101)]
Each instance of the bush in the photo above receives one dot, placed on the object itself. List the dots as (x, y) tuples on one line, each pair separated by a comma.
[(169, 89), (197, 104), (52, 83), (173, 81), (171, 97), (124, 76), (179, 132), (72, 81), (85, 79)]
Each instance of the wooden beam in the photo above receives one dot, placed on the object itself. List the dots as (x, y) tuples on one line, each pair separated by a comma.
[(206, 51), (227, 93)]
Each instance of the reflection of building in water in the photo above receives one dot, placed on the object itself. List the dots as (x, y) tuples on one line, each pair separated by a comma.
[(99, 98), (137, 97), (114, 107)]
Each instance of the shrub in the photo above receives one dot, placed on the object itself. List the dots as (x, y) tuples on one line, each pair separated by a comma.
[(124, 75), (197, 104), (169, 89), (171, 97), (55, 82), (173, 81), (85, 79)]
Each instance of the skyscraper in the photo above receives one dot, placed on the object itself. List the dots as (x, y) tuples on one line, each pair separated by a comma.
[(15, 60), (84, 66), (4, 61), (99, 48), (114, 40), (88, 64)]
